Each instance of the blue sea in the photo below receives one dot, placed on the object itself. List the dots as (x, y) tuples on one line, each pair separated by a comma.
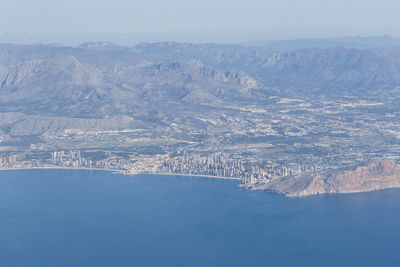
[(97, 218)]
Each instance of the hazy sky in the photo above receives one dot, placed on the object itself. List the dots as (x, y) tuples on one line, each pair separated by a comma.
[(207, 19)]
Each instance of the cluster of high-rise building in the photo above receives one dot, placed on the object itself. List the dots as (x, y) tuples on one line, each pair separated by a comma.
[(70, 159), (221, 164), (8, 161), (217, 164)]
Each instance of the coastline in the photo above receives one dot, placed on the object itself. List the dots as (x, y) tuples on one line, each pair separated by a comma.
[(287, 194), (63, 168), (192, 175), (123, 172)]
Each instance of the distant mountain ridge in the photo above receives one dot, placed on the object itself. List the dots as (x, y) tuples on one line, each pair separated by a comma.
[(102, 79), (345, 41), (66, 86)]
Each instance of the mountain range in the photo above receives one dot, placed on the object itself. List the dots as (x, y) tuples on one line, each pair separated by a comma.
[(287, 118)]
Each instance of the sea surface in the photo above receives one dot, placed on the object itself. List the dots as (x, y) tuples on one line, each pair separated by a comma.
[(97, 218)]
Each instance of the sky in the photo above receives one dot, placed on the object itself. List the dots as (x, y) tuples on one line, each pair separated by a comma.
[(198, 21)]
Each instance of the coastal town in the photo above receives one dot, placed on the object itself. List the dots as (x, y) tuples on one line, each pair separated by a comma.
[(215, 165), (218, 165)]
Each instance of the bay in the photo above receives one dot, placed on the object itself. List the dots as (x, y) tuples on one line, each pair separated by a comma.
[(98, 218)]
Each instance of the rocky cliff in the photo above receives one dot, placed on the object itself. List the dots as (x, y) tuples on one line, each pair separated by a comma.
[(375, 176)]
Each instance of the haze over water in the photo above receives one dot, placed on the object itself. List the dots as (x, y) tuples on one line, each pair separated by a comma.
[(94, 218)]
